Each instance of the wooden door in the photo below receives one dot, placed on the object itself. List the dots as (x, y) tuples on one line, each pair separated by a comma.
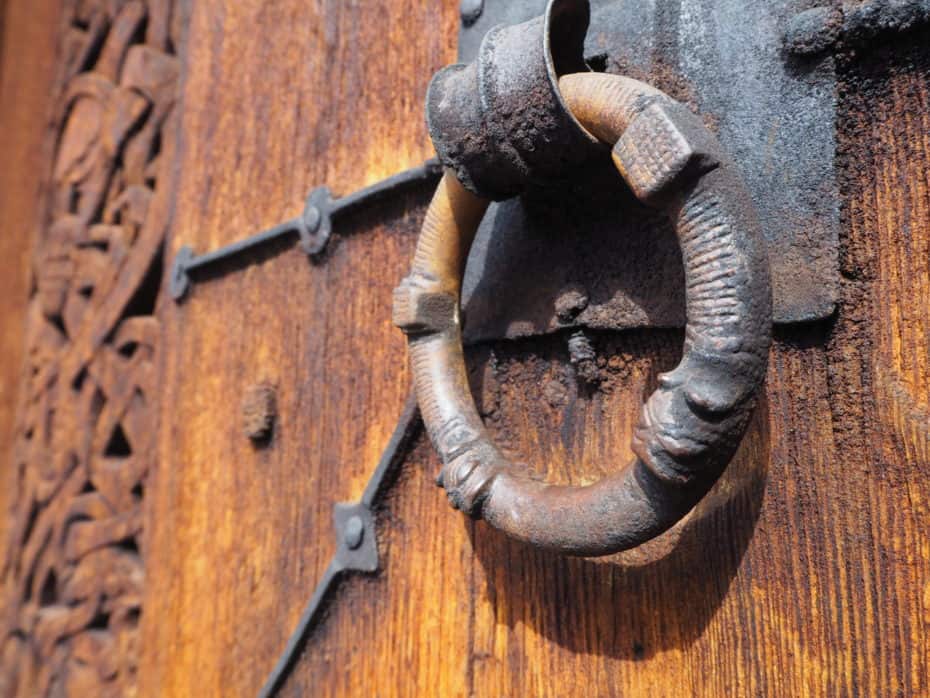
[(152, 547)]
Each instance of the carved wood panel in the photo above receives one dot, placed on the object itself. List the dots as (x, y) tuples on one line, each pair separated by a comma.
[(74, 569)]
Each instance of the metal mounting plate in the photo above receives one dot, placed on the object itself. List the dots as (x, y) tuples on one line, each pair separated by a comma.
[(591, 257)]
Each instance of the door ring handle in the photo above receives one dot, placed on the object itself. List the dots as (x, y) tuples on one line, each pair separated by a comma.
[(692, 424)]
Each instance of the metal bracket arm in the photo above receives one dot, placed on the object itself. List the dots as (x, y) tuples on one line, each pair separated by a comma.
[(313, 227)]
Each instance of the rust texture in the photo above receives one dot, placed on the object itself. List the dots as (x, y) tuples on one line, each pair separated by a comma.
[(775, 113), (73, 576), (690, 427), (803, 573), (852, 25), (489, 118)]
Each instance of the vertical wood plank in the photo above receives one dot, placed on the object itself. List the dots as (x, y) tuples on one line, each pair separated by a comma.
[(278, 98), (73, 572)]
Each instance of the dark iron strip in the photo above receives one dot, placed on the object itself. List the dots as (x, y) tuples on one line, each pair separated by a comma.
[(834, 25), (313, 227), (356, 545)]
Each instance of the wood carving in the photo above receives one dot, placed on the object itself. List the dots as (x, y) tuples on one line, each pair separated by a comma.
[(73, 572)]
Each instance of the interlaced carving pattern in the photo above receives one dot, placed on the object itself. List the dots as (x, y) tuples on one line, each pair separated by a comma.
[(73, 569)]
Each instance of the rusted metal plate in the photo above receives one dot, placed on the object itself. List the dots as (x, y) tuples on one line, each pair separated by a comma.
[(590, 256)]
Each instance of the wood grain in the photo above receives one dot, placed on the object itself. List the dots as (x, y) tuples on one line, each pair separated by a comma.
[(805, 572), (279, 98), (24, 108), (73, 569)]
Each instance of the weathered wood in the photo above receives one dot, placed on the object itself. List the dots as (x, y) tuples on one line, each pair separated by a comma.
[(73, 571), (806, 571), (279, 98), (24, 106)]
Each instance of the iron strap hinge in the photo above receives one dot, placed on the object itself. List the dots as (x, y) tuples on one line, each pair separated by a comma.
[(827, 27), (313, 227), (356, 544)]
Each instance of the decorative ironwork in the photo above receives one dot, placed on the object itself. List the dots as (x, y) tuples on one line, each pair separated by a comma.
[(691, 425), (313, 227), (725, 60), (356, 542)]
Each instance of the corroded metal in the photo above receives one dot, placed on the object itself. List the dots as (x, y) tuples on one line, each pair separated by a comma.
[(692, 424), (488, 119), (774, 113), (821, 29)]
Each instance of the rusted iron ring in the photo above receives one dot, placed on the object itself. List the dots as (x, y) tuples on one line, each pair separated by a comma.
[(692, 424)]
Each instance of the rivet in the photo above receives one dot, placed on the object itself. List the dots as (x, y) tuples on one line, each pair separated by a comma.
[(583, 357), (570, 302), (580, 348), (312, 218), (470, 11), (354, 532)]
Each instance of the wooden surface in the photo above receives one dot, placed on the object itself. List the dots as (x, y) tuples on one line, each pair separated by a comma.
[(73, 571), (806, 571), (24, 110), (279, 98)]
